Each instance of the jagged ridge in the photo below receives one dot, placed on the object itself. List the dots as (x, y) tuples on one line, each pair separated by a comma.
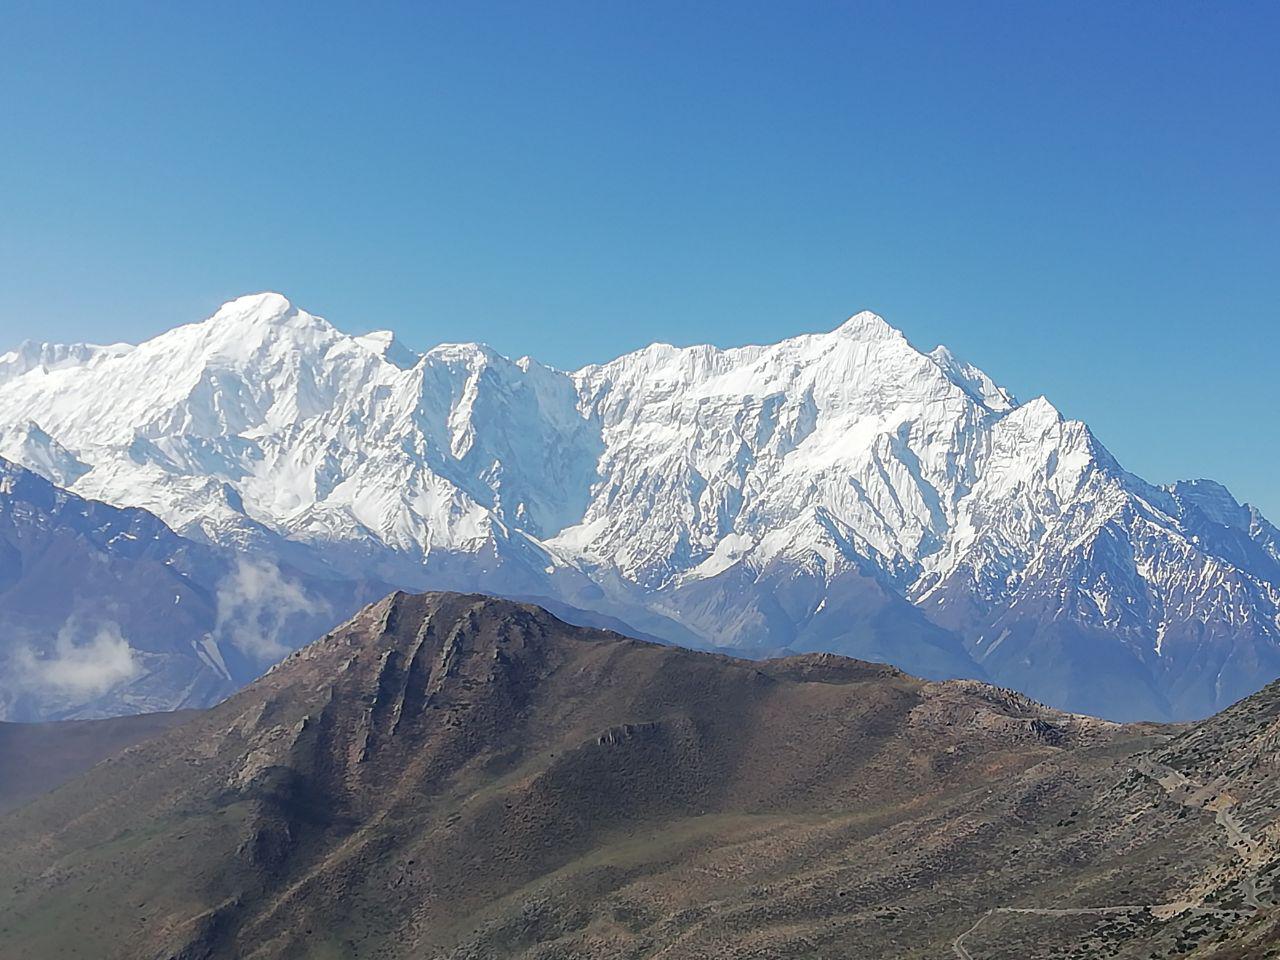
[(840, 491)]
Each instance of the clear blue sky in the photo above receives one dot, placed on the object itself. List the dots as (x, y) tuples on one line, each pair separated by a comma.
[(1082, 198)]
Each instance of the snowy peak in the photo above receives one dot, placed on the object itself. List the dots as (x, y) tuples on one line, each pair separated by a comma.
[(27, 443), (245, 326), (866, 325), (47, 357), (972, 380), (266, 307), (863, 358), (1213, 500), (383, 343)]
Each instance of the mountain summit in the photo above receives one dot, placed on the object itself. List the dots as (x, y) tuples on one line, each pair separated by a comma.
[(839, 492)]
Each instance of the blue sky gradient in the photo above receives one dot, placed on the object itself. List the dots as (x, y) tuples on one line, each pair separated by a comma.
[(1080, 198)]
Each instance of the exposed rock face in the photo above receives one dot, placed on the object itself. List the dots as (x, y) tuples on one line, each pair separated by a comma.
[(456, 776)]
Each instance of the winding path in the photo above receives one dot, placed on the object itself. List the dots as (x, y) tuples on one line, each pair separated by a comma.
[(1186, 792)]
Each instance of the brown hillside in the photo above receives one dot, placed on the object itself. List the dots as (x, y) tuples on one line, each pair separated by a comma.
[(463, 777)]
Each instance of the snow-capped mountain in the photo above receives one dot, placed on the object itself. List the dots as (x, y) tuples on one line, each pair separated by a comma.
[(840, 491)]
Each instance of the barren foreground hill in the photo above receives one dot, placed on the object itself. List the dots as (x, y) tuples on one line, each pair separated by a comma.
[(454, 776)]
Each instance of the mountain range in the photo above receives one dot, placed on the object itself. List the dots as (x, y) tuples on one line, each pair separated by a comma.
[(840, 492), (463, 777)]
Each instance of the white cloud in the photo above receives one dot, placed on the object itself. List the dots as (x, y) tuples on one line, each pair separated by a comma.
[(81, 670), (255, 602)]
